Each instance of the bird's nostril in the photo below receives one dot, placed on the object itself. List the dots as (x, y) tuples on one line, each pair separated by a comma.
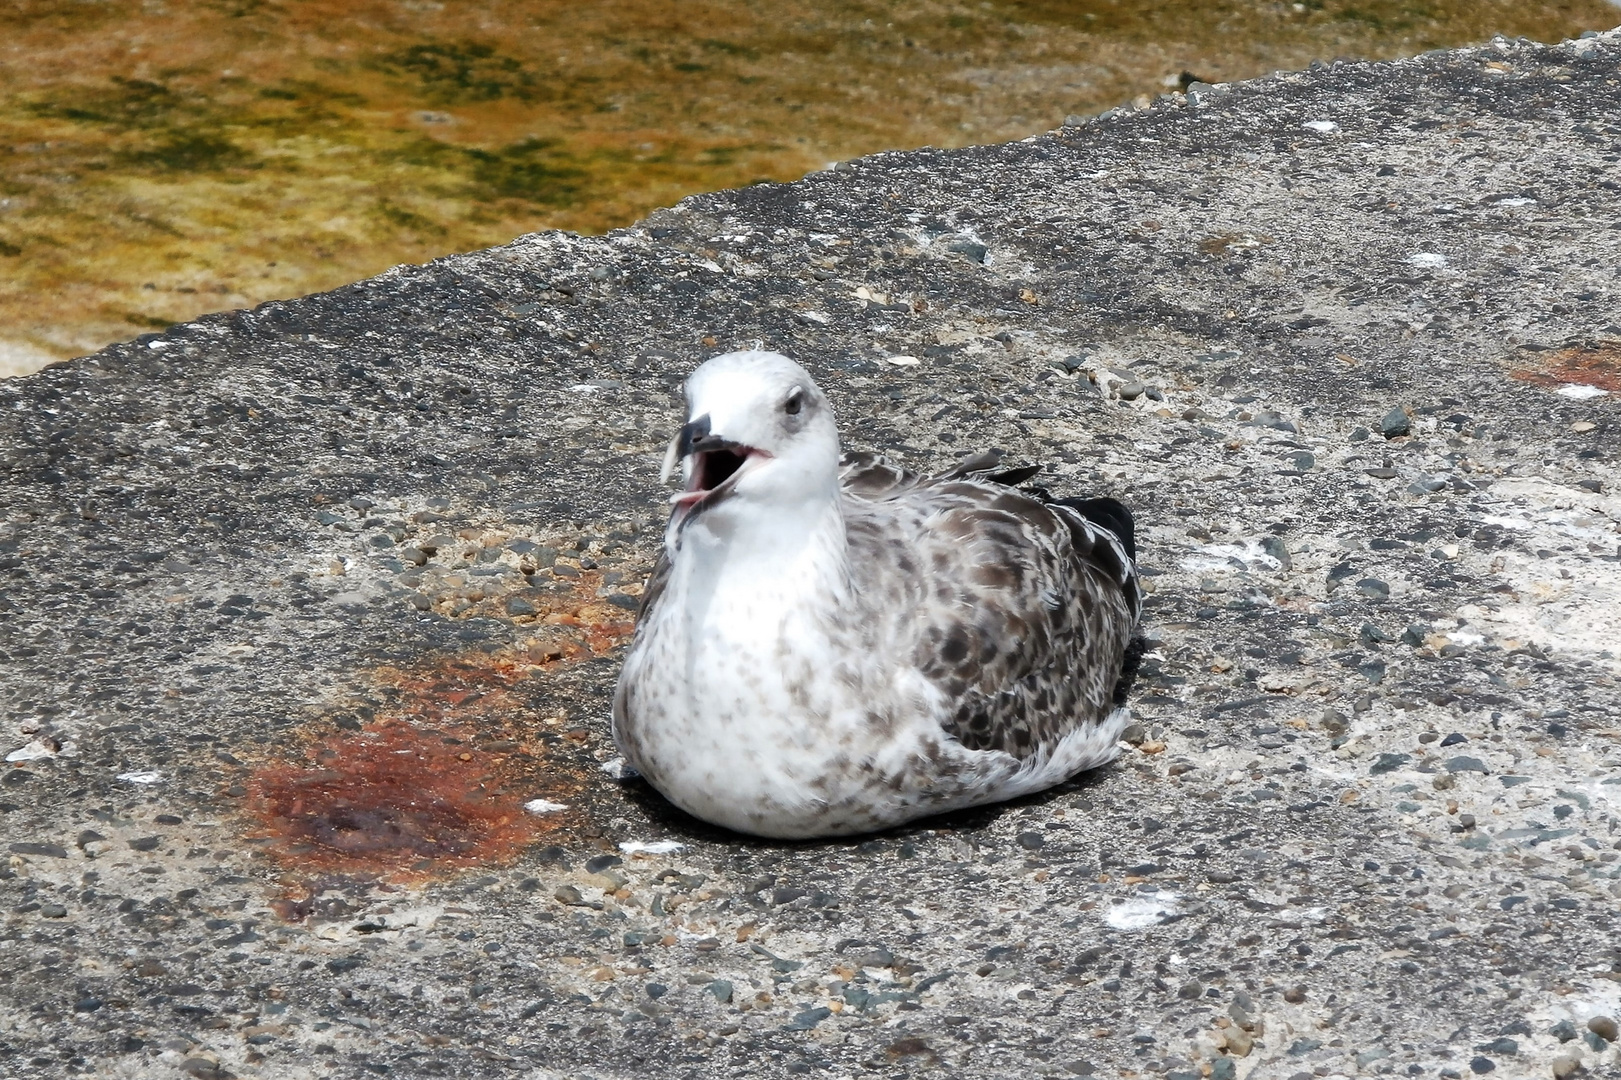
[(691, 433)]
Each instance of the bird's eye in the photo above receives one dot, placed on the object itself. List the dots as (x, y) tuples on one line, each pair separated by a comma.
[(794, 402)]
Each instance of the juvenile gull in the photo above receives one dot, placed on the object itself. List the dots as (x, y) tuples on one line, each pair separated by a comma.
[(830, 647)]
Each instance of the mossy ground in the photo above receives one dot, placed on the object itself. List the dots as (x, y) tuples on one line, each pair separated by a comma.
[(164, 158)]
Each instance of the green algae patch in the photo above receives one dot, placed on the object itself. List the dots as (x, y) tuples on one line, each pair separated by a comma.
[(160, 162)]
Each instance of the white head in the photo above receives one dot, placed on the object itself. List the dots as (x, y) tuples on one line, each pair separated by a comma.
[(760, 438)]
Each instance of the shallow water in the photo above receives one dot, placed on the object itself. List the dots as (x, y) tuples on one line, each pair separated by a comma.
[(163, 160)]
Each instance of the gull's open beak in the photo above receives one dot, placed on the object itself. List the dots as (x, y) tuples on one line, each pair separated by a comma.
[(682, 445), (715, 466)]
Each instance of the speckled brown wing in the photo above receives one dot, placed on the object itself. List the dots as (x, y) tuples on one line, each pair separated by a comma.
[(873, 476), (1027, 617)]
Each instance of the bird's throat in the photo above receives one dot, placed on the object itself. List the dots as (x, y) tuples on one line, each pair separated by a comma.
[(738, 550)]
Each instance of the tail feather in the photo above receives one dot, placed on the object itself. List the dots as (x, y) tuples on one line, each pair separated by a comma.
[(1109, 513)]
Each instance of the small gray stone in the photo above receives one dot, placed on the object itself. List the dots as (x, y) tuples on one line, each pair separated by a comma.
[(876, 958), (54, 851), (517, 605), (1268, 419), (1466, 764), (1395, 424), (1373, 588), (1275, 547), (808, 1019), (205, 1069)]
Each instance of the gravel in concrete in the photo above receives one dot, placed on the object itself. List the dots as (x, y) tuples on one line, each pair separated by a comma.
[(309, 616)]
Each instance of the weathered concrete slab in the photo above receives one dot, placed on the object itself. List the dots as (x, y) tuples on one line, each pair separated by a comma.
[(299, 606)]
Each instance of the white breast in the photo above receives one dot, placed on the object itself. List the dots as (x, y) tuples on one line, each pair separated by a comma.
[(735, 701)]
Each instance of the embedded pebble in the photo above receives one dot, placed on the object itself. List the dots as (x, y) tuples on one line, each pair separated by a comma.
[(1395, 424), (449, 535)]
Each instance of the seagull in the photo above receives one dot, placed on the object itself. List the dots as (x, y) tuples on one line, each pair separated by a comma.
[(834, 645)]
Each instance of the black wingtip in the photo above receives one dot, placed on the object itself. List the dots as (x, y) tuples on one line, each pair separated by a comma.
[(1112, 515), (1014, 477)]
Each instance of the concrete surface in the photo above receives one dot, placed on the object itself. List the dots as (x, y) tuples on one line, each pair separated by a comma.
[(299, 607)]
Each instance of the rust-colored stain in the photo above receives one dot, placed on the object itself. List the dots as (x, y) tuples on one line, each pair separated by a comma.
[(396, 797), (1589, 365), (438, 782), (577, 624)]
